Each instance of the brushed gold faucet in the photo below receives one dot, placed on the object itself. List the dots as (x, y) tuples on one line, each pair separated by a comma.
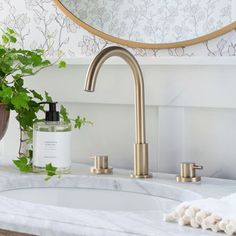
[(140, 146)]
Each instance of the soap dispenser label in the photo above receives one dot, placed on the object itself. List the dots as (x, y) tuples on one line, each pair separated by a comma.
[(51, 147)]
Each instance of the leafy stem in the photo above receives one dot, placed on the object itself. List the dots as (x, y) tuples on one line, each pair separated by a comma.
[(15, 65), (78, 121)]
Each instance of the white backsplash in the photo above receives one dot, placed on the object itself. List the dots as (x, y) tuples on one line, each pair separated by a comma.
[(190, 115), (190, 109)]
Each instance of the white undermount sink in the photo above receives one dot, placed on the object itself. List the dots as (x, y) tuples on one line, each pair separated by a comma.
[(93, 199), (91, 192)]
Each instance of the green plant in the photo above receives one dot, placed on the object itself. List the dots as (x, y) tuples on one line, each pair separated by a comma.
[(15, 65)]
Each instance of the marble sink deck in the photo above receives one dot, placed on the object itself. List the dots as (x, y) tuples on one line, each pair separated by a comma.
[(47, 220)]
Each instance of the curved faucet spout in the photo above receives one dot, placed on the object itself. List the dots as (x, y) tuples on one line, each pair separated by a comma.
[(141, 148)]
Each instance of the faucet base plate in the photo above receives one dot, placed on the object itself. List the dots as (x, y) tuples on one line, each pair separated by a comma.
[(188, 179), (101, 171), (141, 176)]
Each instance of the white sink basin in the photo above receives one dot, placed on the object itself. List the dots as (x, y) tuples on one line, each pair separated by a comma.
[(93, 199)]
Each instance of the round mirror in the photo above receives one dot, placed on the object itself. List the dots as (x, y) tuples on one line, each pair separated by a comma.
[(153, 23)]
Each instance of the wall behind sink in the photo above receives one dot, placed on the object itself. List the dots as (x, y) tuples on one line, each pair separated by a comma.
[(191, 115), (40, 23), (191, 112)]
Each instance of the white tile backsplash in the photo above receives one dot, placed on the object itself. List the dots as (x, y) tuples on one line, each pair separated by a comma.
[(199, 124), (190, 109)]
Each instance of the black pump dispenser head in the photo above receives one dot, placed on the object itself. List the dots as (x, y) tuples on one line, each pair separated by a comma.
[(52, 114)]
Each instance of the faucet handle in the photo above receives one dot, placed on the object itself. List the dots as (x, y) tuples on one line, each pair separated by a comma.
[(100, 165), (197, 167), (188, 172)]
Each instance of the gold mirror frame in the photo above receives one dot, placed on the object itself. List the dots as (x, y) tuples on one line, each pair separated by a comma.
[(134, 44)]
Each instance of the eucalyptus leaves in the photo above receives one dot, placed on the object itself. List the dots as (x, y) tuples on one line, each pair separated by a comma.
[(15, 65)]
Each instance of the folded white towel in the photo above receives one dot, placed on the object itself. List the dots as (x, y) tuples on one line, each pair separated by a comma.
[(218, 215)]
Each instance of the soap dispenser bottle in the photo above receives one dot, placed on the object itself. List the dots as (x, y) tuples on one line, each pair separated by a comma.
[(51, 142)]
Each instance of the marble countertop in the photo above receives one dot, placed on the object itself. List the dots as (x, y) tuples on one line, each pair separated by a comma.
[(46, 220)]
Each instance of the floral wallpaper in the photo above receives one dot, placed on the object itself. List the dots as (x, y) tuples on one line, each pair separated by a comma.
[(153, 21), (40, 24)]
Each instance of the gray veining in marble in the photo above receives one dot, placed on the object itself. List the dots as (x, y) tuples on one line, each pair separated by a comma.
[(46, 220)]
